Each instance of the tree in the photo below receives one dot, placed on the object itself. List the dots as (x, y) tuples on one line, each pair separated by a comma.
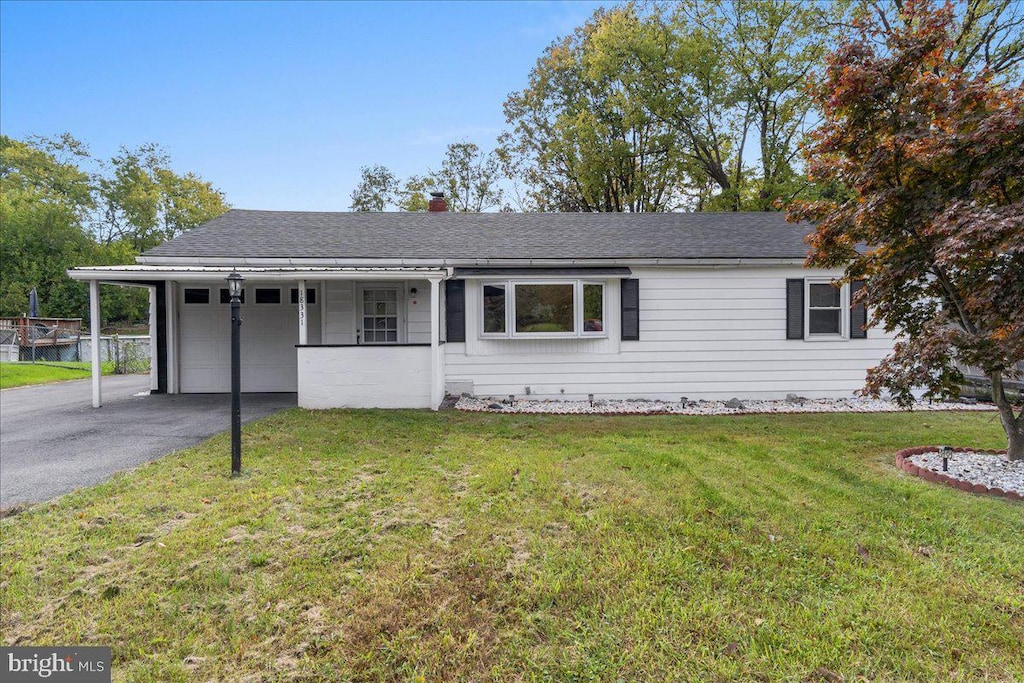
[(580, 140), (56, 213), (989, 34), (143, 201), (414, 196), (376, 191), (470, 178), (726, 77), (932, 150)]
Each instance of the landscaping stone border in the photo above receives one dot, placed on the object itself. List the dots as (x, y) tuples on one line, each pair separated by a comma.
[(903, 462)]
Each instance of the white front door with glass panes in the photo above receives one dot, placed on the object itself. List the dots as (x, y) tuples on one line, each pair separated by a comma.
[(381, 319)]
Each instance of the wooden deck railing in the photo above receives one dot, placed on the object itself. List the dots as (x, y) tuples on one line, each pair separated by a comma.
[(38, 332)]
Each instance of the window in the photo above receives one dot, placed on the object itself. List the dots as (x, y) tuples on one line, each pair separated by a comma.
[(380, 316), (825, 307), (265, 295), (552, 309), (593, 307), (225, 296), (310, 296), (494, 309), (195, 295), (544, 308)]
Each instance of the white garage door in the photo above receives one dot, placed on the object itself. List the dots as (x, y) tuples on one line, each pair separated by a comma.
[(269, 335)]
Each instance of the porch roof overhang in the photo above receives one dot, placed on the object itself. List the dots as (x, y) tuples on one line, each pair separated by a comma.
[(141, 274)]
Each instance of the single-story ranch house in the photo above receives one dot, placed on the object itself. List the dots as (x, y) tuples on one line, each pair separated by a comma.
[(396, 309)]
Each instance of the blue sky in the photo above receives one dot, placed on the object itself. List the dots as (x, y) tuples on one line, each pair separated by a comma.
[(278, 104)]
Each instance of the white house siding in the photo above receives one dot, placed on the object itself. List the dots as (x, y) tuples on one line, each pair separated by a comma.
[(341, 310), (371, 376), (705, 333)]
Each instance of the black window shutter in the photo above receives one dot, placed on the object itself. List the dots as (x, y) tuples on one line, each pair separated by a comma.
[(858, 313), (455, 310), (795, 308), (630, 295)]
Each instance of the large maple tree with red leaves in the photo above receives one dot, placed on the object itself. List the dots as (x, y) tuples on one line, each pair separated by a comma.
[(932, 157)]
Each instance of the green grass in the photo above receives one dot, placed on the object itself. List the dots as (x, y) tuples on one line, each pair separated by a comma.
[(376, 545), (24, 373)]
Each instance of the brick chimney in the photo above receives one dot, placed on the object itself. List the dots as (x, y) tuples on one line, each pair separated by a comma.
[(437, 202)]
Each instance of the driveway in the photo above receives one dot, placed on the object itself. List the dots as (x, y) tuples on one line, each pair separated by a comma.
[(53, 441)]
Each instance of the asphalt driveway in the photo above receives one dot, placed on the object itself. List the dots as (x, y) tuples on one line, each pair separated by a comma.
[(53, 441)]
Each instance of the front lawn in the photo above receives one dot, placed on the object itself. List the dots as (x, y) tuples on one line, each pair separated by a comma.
[(375, 545), (23, 374)]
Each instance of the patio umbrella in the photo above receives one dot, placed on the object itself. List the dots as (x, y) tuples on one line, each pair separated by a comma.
[(33, 304)]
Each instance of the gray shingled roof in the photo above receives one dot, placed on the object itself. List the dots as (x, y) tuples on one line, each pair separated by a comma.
[(297, 234)]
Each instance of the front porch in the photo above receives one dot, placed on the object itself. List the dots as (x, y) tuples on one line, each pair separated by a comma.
[(366, 376), (339, 337)]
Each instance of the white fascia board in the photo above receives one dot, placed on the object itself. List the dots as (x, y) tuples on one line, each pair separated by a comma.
[(451, 263), (118, 275)]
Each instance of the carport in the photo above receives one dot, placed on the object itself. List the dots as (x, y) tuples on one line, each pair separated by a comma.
[(377, 342)]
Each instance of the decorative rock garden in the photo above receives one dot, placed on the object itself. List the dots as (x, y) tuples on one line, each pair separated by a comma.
[(966, 469), (685, 406)]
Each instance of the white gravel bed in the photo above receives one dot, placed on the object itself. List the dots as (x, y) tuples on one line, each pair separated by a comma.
[(731, 407), (993, 471)]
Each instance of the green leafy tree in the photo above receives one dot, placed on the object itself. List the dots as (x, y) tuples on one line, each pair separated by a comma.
[(469, 177), (48, 171), (414, 194), (44, 196), (725, 78), (377, 189), (932, 151), (580, 140), (39, 240), (55, 214), (145, 202)]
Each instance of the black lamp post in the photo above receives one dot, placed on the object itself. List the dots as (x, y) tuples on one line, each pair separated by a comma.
[(235, 290)]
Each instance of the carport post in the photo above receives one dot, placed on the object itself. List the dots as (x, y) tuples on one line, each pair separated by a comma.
[(154, 370), (436, 358), (303, 325), (94, 335), (235, 290)]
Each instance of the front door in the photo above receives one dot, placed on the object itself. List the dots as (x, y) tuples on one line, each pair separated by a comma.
[(381, 320)]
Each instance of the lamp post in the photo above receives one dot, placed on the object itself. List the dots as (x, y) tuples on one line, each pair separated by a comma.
[(235, 290)]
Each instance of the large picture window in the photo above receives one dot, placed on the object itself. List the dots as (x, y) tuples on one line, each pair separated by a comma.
[(543, 309)]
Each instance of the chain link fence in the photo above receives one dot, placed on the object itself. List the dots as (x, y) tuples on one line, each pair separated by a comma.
[(60, 340)]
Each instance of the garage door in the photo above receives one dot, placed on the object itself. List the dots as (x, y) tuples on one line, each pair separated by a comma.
[(269, 334)]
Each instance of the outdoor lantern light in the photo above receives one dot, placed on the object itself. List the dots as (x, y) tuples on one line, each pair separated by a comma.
[(235, 285), (235, 290)]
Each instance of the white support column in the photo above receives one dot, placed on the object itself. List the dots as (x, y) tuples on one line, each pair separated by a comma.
[(154, 382), (436, 366), (94, 334), (303, 315)]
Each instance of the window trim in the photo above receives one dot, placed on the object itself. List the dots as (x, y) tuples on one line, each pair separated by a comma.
[(310, 301), (186, 302), (256, 302), (577, 312), (844, 311)]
